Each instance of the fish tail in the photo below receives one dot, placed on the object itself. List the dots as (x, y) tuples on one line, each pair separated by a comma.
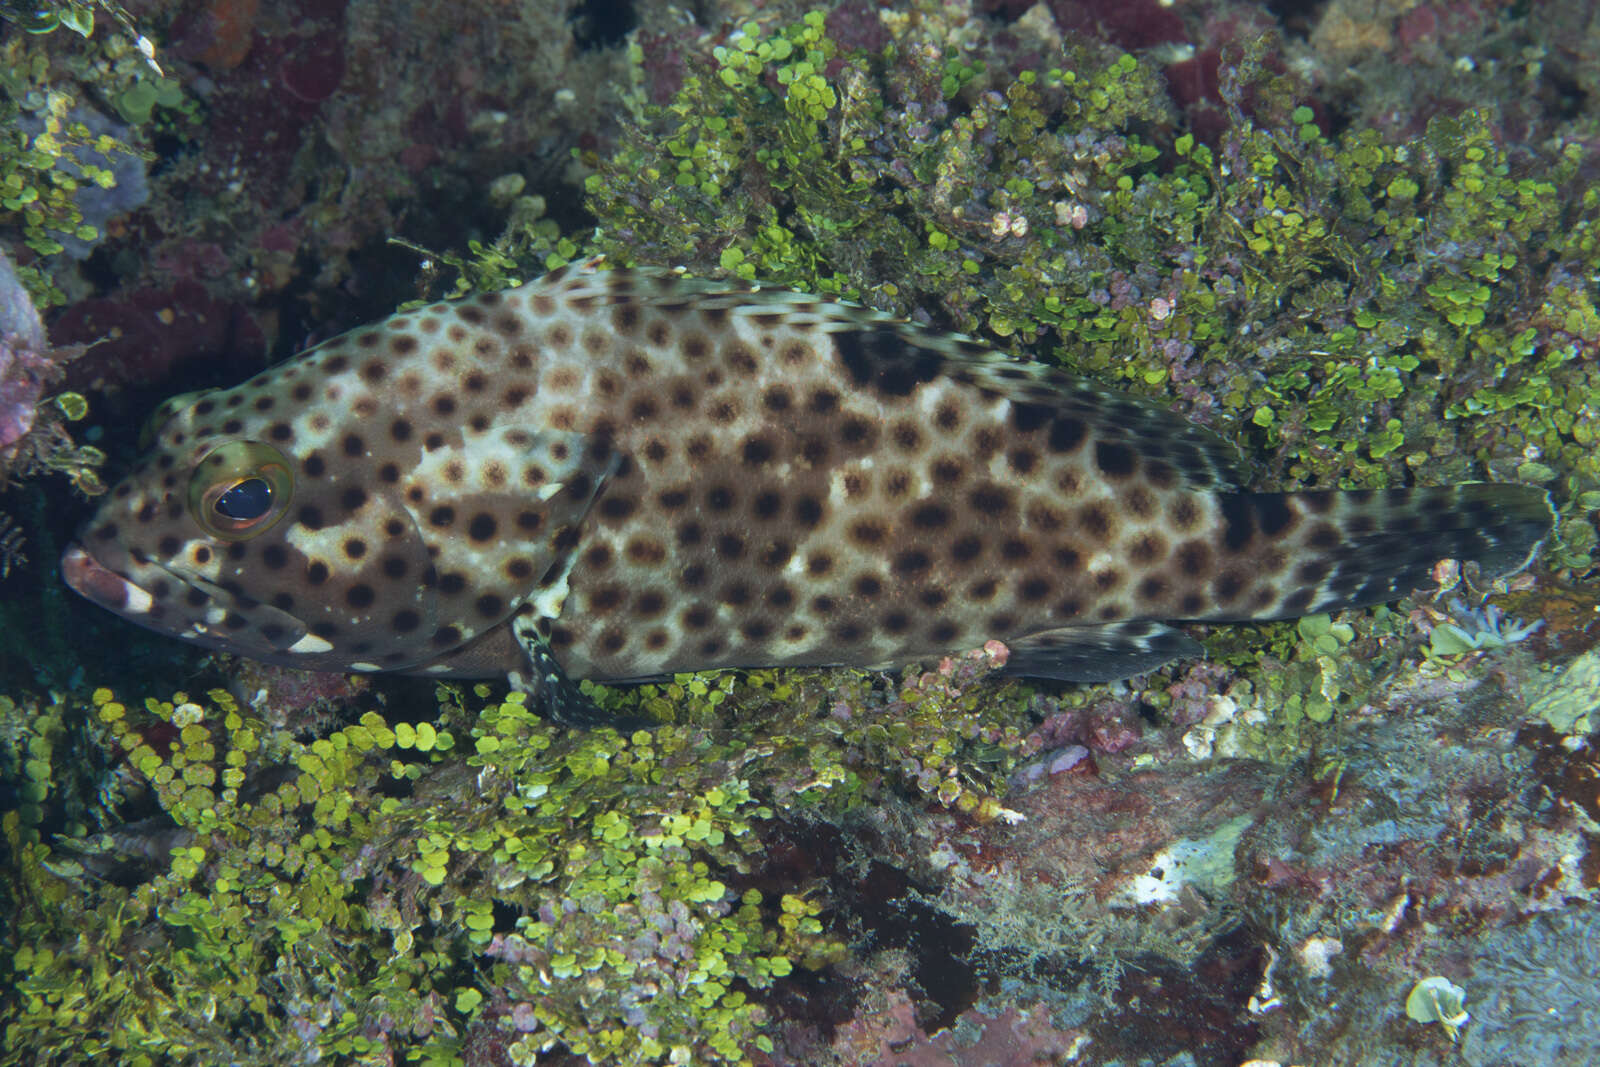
[(1331, 550)]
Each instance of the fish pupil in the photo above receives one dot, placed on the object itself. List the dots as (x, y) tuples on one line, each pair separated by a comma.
[(247, 500)]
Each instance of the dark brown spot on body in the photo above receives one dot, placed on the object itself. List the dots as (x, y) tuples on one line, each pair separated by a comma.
[(758, 451), (1228, 586), (616, 507), (912, 564), (869, 532), (1034, 589), (1324, 537), (1140, 502), (808, 511), (766, 505), (1193, 558), (1114, 460), (991, 500), (1022, 460), (1015, 550), (1095, 520), (947, 471), (1147, 549), (607, 599), (1161, 474), (858, 432), (1184, 513), (1312, 572), (775, 554), (1066, 434)]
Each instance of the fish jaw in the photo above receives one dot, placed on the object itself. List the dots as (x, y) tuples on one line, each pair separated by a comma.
[(207, 615)]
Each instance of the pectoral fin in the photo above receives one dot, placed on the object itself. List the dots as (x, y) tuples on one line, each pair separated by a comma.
[(555, 696)]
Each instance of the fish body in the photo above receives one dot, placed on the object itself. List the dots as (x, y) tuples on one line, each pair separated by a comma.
[(627, 474)]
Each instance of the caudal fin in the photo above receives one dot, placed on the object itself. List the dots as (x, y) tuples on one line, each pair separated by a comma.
[(1346, 549)]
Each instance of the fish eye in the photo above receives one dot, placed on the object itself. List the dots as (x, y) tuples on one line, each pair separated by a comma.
[(245, 501), (240, 489)]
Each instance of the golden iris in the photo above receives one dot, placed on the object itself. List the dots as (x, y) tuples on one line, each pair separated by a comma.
[(240, 489)]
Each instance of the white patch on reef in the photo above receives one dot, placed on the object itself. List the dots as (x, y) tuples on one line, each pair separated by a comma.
[(1205, 864), (1317, 954)]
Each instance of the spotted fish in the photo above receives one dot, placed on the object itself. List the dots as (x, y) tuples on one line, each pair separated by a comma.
[(624, 474)]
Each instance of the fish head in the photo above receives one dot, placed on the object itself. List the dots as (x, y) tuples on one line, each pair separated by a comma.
[(226, 541), (315, 517)]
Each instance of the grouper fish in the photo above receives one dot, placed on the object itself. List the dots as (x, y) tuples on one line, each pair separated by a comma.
[(625, 474)]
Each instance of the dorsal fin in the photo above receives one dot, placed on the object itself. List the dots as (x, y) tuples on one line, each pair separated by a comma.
[(881, 350)]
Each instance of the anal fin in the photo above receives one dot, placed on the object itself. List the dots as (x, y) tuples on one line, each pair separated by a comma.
[(1100, 653)]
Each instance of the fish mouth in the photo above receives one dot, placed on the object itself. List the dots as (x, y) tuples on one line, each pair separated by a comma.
[(263, 630), (94, 581)]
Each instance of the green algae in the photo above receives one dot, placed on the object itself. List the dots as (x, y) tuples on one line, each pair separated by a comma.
[(41, 172), (431, 888)]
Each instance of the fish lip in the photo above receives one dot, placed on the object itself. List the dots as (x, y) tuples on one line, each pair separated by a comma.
[(94, 581)]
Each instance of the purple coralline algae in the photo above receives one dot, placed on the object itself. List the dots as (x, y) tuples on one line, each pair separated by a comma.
[(25, 367)]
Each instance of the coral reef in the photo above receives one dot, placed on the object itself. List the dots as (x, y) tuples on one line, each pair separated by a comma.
[(1363, 244)]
